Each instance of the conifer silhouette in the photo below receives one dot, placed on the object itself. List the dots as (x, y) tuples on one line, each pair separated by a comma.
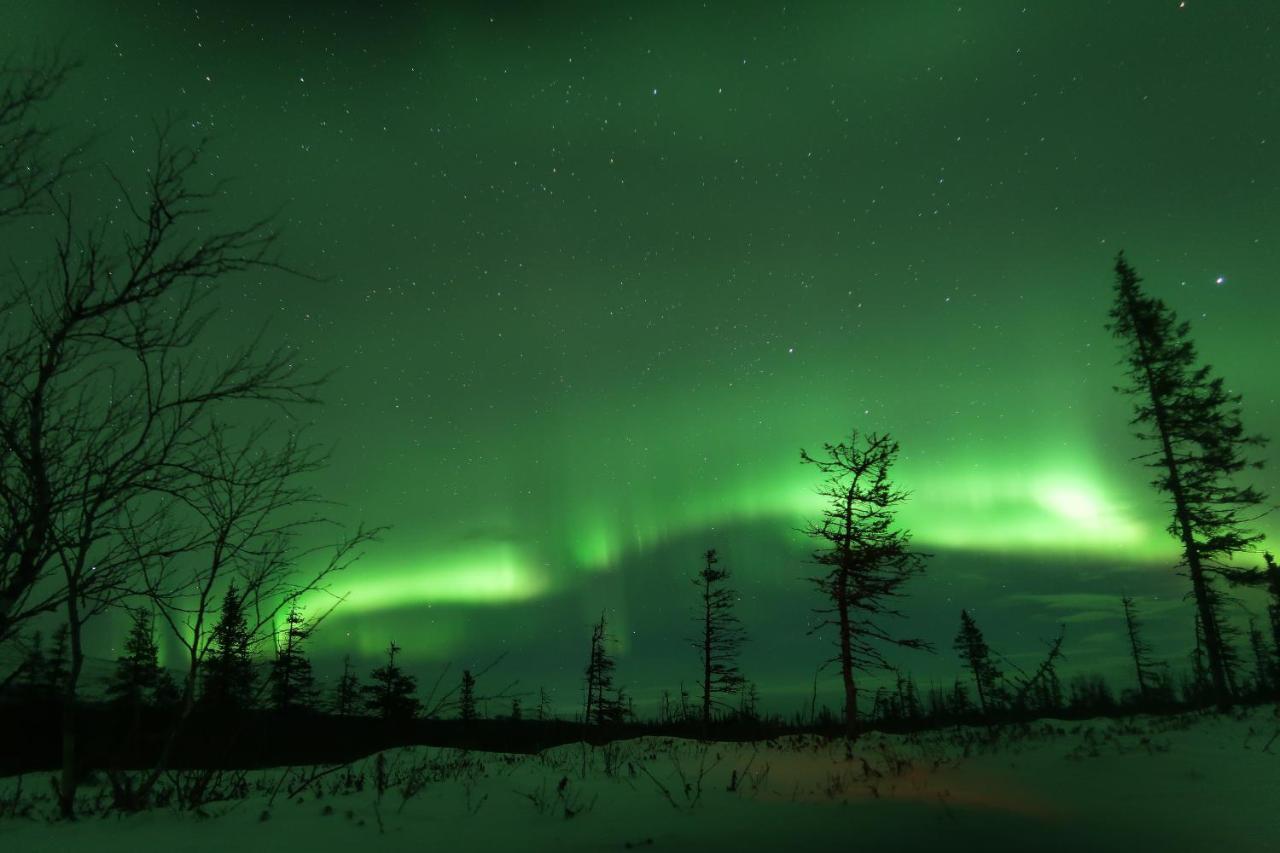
[(720, 635), (467, 698), (390, 696), (975, 654), (228, 677), (865, 558), (139, 680), (346, 694), (1200, 449), (292, 683), (601, 707)]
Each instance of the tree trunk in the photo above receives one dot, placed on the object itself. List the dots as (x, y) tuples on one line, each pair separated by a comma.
[(980, 676), (706, 656), (846, 658), (1137, 652), (69, 778), (1199, 585)]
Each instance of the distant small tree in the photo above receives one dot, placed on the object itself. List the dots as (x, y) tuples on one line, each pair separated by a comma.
[(1090, 693), (866, 560), (346, 694), (1145, 669), (293, 686), (517, 713), (1039, 691), (975, 654), (909, 705), (467, 698), (960, 703), (720, 635), (139, 680), (228, 683), (390, 696), (544, 704), (749, 702), (1264, 674), (1273, 607), (600, 706), (43, 668), (1200, 448)]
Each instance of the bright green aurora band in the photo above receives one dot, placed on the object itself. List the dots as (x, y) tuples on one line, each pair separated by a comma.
[(594, 273)]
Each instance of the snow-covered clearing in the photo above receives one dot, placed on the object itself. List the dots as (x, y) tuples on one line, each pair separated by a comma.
[(1160, 784)]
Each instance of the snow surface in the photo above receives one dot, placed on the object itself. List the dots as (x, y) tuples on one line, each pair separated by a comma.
[(1159, 784)]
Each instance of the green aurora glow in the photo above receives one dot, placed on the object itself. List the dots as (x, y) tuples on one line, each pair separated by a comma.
[(597, 272)]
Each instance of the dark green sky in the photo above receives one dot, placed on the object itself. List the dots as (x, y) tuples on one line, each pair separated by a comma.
[(595, 272)]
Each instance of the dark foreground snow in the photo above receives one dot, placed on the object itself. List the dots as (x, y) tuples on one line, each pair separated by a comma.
[(1150, 784)]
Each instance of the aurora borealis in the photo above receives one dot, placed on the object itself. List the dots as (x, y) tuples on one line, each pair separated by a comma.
[(591, 274)]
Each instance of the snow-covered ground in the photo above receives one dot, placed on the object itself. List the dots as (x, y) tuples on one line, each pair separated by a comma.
[(1158, 784)]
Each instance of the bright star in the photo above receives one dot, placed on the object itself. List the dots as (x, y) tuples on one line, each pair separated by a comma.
[(1222, 279)]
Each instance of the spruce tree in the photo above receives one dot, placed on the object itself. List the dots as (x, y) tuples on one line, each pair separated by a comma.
[(30, 680), (959, 701), (1201, 447), (228, 683), (292, 682), (975, 654), (139, 680), (1272, 576), (600, 707), (467, 697), (720, 635), (1264, 674), (390, 696), (346, 694), (1145, 669), (866, 560)]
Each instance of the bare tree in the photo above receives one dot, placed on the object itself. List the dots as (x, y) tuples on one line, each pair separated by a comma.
[(866, 559), (240, 527), (720, 636), (1272, 577), (106, 401), (30, 166)]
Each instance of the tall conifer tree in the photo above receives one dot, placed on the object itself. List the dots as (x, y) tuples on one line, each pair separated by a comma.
[(720, 635), (1200, 447), (228, 683), (293, 686), (976, 656), (866, 560)]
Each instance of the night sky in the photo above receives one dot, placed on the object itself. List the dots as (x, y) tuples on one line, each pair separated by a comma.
[(591, 274)]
